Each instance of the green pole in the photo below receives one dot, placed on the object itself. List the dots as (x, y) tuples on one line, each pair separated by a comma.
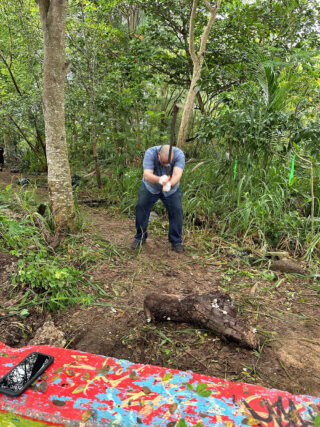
[(292, 169), (235, 168)]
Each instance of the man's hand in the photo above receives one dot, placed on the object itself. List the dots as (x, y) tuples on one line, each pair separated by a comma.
[(163, 179), (167, 187)]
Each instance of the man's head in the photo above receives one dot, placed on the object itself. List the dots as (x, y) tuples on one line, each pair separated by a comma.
[(164, 155)]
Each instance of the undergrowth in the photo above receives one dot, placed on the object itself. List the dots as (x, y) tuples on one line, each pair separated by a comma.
[(53, 279)]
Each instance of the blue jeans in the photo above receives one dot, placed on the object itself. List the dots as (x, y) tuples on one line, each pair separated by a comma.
[(173, 204)]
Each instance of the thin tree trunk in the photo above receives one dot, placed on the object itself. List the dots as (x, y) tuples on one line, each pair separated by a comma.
[(53, 16), (34, 150), (95, 156), (32, 117), (197, 59), (312, 198), (90, 89), (188, 107)]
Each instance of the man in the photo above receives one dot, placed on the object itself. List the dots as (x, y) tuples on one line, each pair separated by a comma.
[(157, 184)]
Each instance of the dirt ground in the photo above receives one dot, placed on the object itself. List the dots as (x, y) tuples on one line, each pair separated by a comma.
[(284, 308)]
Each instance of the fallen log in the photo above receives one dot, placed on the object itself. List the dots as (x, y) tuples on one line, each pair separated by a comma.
[(213, 311), (287, 266)]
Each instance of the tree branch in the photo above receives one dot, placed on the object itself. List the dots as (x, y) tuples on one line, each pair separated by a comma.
[(10, 72), (191, 31), (205, 35)]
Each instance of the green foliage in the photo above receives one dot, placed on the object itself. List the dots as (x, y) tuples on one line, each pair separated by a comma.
[(52, 281), (202, 390), (258, 100), (49, 277)]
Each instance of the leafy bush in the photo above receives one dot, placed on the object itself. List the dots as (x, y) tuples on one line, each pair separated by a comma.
[(50, 279), (53, 283)]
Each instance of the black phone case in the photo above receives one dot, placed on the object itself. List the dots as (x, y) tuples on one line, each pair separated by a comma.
[(31, 380)]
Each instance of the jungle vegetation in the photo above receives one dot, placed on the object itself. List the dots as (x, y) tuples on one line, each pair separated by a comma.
[(252, 139)]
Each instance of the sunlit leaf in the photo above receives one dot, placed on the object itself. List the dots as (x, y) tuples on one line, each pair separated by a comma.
[(79, 389), (166, 377)]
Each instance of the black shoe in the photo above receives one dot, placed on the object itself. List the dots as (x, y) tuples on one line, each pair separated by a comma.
[(136, 244), (178, 248)]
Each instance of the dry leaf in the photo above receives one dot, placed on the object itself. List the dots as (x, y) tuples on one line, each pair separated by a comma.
[(86, 415), (254, 288), (103, 370), (172, 408), (146, 390), (79, 358), (250, 421), (70, 373), (43, 387), (293, 415), (133, 375), (54, 378), (58, 402)]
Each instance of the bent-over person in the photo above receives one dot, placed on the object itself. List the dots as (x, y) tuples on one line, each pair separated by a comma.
[(155, 185)]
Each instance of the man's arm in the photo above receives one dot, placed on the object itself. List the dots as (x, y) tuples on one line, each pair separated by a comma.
[(152, 178), (176, 175)]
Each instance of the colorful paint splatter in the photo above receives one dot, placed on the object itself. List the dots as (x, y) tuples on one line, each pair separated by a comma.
[(83, 389)]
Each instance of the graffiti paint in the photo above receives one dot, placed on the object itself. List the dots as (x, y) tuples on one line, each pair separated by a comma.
[(83, 389)]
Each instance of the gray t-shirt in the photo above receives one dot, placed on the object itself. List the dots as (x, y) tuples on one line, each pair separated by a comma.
[(151, 162)]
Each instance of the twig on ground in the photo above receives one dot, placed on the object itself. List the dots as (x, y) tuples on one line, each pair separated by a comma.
[(195, 358), (284, 368)]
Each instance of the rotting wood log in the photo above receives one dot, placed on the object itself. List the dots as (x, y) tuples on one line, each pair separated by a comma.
[(213, 311), (287, 266)]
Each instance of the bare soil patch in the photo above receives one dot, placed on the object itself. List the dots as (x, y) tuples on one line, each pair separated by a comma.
[(284, 308)]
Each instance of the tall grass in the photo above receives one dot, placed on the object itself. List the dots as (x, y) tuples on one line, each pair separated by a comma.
[(260, 204)]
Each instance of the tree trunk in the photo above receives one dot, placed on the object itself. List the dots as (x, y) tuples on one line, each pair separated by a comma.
[(188, 107), (53, 17), (10, 157), (212, 311), (197, 59), (95, 155)]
